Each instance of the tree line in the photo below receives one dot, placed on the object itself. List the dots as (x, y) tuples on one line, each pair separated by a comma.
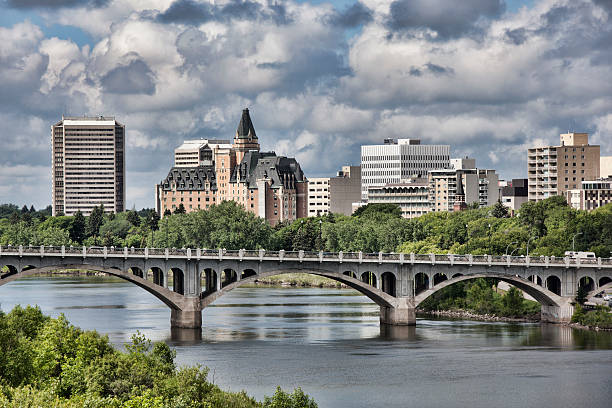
[(548, 227)]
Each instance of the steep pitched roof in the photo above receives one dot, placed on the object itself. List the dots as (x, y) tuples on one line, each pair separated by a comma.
[(190, 178), (245, 127), (279, 170)]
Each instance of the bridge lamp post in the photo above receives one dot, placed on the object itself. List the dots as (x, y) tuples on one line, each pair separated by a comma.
[(528, 244), (490, 248), (514, 250), (508, 247), (574, 241), (320, 237)]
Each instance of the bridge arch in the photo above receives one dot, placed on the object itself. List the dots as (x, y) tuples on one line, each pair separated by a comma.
[(553, 283), (604, 281), (168, 297), (542, 295), (378, 296), (11, 270), (600, 289)]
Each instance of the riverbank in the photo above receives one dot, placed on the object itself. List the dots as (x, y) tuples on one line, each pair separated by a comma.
[(300, 279), (466, 314)]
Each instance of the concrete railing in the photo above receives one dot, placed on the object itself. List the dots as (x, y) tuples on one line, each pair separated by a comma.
[(301, 256)]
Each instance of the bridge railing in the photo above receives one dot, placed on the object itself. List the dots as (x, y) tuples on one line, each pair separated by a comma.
[(302, 255)]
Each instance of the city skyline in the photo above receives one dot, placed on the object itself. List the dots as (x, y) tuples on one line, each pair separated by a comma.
[(493, 78)]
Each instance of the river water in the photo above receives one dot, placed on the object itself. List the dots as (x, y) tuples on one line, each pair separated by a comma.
[(328, 341)]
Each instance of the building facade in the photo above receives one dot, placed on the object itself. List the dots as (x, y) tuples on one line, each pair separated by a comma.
[(552, 170), (411, 197), (318, 196), (605, 167), (88, 165), (515, 194), (592, 194), (478, 186), (344, 190), (398, 160), (270, 186)]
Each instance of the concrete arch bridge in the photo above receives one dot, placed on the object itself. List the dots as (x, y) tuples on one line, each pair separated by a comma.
[(398, 283)]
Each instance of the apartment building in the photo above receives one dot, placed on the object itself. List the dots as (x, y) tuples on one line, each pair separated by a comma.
[(270, 186), (398, 160), (553, 170), (199, 152), (318, 196), (479, 186), (412, 197), (344, 190), (88, 165), (591, 195)]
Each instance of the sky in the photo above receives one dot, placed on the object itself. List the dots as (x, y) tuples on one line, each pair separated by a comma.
[(489, 77)]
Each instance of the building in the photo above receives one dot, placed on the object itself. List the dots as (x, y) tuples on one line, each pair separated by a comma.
[(478, 186), (270, 186), (398, 160), (198, 152), (591, 195), (412, 197), (88, 165), (515, 194), (605, 167), (344, 190), (552, 170), (318, 196)]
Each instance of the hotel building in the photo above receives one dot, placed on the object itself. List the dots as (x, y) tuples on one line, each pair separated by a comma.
[(552, 170), (270, 186), (88, 165)]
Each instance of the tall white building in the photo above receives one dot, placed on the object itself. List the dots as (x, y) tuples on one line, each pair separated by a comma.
[(399, 160), (318, 196), (88, 165)]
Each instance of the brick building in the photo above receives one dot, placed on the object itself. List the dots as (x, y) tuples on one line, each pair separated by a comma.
[(270, 186)]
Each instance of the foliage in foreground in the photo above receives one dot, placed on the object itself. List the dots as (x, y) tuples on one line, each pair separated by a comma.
[(600, 317), (478, 296), (48, 362)]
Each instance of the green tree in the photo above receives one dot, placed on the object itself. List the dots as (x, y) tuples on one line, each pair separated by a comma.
[(180, 209), (133, 218), (499, 210), (95, 221), (581, 295), (370, 209), (282, 399), (513, 302), (77, 229)]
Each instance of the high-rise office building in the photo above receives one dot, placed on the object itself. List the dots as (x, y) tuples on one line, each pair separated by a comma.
[(398, 160), (88, 165), (553, 170), (344, 190)]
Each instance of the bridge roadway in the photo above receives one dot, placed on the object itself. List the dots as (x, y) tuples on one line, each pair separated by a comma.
[(398, 283)]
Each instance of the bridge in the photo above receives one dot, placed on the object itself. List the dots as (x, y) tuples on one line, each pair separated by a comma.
[(397, 282)]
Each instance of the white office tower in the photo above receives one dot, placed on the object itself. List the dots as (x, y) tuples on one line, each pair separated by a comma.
[(399, 160), (88, 165)]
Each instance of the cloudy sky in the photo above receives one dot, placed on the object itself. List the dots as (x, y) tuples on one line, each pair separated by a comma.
[(488, 77)]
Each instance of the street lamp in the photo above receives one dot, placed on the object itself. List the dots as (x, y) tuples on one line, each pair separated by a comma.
[(528, 244), (574, 240), (490, 249), (514, 250), (512, 243)]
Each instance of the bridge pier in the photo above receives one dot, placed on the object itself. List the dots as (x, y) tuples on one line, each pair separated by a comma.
[(403, 314), (189, 317), (557, 314)]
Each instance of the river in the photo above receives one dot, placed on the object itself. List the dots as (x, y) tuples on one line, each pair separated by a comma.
[(329, 342)]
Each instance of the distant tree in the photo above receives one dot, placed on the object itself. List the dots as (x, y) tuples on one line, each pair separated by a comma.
[(152, 220), (513, 302), (78, 227), (180, 209), (581, 295), (32, 209), (95, 221), (24, 209), (133, 218), (26, 218), (371, 209), (167, 212), (499, 210)]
